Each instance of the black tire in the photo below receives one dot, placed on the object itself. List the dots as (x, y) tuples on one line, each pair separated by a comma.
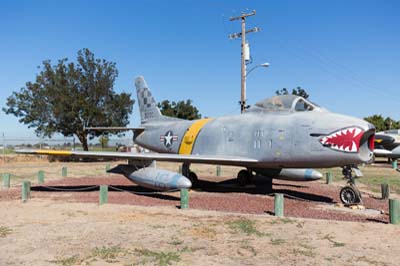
[(193, 178), (349, 195), (243, 178)]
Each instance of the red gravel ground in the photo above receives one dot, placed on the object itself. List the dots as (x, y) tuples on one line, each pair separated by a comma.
[(302, 199)]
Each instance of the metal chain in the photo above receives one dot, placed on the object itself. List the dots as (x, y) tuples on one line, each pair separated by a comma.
[(70, 189), (297, 198), (144, 193)]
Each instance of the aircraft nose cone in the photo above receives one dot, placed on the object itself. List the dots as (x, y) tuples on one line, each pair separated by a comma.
[(183, 182)]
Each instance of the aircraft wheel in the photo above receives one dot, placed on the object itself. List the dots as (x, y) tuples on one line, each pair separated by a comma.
[(243, 178), (193, 178), (349, 195)]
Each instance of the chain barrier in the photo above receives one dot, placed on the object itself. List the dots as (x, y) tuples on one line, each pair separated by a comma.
[(144, 193), (69, 189), (110, 187), (297, 198)]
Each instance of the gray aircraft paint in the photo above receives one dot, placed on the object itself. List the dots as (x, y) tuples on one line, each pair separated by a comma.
[(277, 139)]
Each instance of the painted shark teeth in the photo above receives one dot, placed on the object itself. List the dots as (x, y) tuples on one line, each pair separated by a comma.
[(346, 140)]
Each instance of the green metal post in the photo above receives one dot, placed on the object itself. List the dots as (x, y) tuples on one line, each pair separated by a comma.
[(41, 177), (328, 177), (184, 198), (394, 211), (26, 190), (107, 167), (218, 170), (385, 191), (6, 180), (278, 206), (394, 164), (64, 171), (180, 169), (103, 194)]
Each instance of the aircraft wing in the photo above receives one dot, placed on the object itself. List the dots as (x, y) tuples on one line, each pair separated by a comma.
[(134, 129), (395, 153), (167, 157)]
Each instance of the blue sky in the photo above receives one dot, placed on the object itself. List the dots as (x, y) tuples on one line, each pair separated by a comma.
[(344, 53)]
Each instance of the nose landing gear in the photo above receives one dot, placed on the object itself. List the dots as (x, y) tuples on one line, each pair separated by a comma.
[(350, 194), (189, 174)]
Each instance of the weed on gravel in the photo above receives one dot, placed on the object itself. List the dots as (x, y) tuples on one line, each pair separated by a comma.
[(277, 241), (245, 226), (69, 261), (281, 221), (335, 243), (109, 254), (159, 258), (175, 242), (246, 245), (370, 261), (5, 231)]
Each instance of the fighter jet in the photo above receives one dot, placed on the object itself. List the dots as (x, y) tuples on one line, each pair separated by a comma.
[(387, 144), (282, 137)]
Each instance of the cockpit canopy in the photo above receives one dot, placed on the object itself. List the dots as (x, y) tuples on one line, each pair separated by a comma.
[(288, 103)]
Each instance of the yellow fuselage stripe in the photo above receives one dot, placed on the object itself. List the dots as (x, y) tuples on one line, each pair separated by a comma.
[(190, 136), (52, 152)]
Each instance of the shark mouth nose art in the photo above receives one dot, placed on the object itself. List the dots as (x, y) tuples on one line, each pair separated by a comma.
[(346, 140)]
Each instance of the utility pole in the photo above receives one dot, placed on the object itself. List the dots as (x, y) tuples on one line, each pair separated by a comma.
[(243, 68)]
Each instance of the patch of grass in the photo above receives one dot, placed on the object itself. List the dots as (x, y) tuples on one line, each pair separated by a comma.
[(157, 226), (281, 221), (5, 231), (160, 258), (73, 260), (370, 261), (335, 243), (108, 254), (245, 226), (204, 232), (304, 252), (300, 224), (329, 259), (246, 245), (175, 242), (277, 241)]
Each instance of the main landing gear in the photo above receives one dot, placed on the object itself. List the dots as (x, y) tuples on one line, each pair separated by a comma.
[(350, 194), (244, 177), (189, 174)]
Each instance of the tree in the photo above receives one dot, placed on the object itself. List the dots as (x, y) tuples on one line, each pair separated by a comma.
[(180, 109), (298, 91), (378, 121), (381, 123), (67, 97)]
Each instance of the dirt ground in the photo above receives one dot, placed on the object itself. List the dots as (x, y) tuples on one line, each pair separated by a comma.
[(44, 232), (57, 230)]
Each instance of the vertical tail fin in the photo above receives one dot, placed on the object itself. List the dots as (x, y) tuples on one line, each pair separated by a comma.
[(147, 105)]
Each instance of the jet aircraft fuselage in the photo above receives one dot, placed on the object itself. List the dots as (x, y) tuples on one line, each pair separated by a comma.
[(280, 132)]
